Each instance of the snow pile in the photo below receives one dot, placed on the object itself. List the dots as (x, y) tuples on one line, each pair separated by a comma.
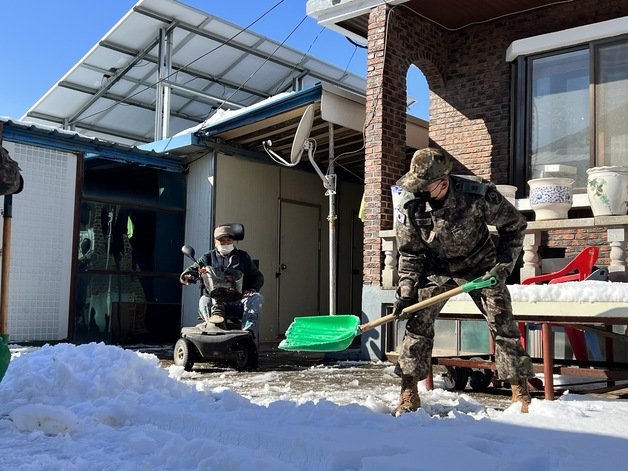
[(97, 407)]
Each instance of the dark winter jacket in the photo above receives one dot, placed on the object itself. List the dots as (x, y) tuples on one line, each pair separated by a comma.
[(238, 260)]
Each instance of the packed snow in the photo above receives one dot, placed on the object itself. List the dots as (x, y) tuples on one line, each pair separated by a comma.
[(587, 291), (98, 407)]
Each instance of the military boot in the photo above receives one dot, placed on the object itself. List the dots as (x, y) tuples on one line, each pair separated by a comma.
[(521, 394), (409, 400)]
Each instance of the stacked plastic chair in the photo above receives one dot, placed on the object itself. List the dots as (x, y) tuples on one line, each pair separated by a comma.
[(578, 269)]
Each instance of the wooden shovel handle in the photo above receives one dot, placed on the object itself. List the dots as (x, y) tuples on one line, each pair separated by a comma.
[(410, 309)]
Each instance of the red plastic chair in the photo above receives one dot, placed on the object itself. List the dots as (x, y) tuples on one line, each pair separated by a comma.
[(578, 269)]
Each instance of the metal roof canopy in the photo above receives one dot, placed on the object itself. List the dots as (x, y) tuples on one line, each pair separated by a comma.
[(113, 92)]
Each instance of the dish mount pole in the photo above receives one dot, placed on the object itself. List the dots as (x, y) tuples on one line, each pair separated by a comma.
[(329, 182), (302, 143), (332, 217)]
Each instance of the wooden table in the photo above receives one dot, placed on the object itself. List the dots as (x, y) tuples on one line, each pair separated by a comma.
[(577, 313)]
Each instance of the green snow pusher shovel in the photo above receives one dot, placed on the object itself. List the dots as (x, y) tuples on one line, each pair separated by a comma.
[(335, 333)]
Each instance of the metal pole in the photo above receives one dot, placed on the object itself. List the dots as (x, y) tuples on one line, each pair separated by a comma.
[(548, 360), (162, 100), (165, 132), (159, 89), (331, 192)]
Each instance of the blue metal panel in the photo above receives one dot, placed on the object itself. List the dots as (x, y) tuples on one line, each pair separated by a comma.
[(31, 134)]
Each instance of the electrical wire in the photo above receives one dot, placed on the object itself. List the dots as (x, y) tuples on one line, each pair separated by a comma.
[(355, 43), (483, 21), (153, 85), (355, 49), (262, 65), (305, 54), (393, 7), (367, 122), (446, 28)]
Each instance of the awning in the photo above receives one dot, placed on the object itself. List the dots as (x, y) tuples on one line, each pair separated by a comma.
[(277, 118)]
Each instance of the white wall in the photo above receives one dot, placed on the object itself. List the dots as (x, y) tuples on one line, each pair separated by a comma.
[(41, 244), (248, 192), (197, 228)]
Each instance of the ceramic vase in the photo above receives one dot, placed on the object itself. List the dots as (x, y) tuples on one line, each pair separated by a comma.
[(607, 189), (509, 192), (551, 197)]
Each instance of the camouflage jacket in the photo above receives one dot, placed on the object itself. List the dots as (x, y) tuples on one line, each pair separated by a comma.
[(454, 240)]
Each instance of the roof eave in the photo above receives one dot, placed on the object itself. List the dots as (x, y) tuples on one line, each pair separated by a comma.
[(291, 102), (67, 141)]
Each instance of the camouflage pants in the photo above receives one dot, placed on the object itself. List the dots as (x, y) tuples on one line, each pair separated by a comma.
[(511, 359)]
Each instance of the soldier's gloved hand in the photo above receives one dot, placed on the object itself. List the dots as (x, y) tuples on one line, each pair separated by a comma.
[(401, 303), (501, 271)]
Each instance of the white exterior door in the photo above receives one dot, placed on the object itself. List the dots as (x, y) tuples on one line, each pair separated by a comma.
[(299, 262)]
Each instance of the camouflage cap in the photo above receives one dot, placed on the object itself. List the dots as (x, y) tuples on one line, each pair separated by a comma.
[(427, 165)]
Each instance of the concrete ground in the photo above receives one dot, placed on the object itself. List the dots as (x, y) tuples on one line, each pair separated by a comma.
[(286, 375)]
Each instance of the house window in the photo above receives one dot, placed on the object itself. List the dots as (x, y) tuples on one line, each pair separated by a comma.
[(559, 113), (572, 111), (611, 104)]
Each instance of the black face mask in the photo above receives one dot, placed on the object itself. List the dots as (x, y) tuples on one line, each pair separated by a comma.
[(434, 203), (422, 195)]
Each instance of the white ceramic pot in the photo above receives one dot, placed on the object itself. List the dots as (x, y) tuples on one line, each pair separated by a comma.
[(508, 191), (551, 197), (607, 189)]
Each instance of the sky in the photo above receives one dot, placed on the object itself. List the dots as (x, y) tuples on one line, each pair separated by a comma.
[(95, 407), (44, 39)]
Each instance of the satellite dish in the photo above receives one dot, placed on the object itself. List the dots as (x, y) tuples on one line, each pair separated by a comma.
[(303, 132), (299, 143)]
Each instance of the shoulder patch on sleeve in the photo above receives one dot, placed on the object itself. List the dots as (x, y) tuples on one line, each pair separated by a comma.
[(493, 196)]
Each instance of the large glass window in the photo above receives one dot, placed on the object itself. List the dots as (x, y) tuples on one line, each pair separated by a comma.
[(611, 100), (131, 231), (576, 111), (559, 118)]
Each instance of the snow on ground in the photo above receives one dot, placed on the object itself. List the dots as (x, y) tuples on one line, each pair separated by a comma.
[(98, 407)]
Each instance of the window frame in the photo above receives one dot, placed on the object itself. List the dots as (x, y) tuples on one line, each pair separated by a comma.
[(521, 73)]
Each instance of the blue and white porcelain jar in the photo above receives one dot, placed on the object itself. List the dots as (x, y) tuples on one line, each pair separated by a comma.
[(551, 197)]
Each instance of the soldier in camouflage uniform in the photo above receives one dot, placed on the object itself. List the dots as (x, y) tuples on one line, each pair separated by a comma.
[(447, 245)]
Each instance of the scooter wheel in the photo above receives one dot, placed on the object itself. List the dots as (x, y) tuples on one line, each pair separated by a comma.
[(246, 356), (184, 354), (480, 378), (460, 376)]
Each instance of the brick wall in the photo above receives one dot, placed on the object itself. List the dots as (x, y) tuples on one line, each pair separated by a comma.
[(470, 96)]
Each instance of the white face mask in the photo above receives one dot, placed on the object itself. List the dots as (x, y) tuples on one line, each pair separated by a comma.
[(225, 249)]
